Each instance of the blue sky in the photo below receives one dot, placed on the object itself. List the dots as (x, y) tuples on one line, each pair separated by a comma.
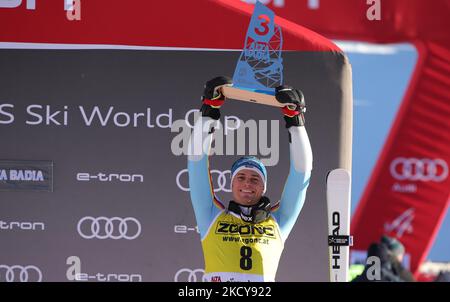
[(380, 77)]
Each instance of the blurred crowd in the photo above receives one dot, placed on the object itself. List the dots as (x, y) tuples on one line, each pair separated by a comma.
[(385, 263)]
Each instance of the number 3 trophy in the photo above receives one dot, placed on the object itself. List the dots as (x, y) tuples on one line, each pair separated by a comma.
[(259, 69)]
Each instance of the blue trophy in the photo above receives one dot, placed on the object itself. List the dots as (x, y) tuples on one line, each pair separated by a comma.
[(260, 67)]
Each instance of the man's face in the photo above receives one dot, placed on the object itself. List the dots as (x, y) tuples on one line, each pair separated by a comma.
[(247, 187)]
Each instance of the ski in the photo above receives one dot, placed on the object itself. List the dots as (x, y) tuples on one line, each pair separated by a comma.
[(338, 207)]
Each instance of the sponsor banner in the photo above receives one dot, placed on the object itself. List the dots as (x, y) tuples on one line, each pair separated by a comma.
[(118, 161), (408, 201), (26, 175)]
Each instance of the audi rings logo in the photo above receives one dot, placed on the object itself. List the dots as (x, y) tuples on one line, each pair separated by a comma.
[(190, 275), (109, 228), (18, 273), (221, 180), (424, 169)]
